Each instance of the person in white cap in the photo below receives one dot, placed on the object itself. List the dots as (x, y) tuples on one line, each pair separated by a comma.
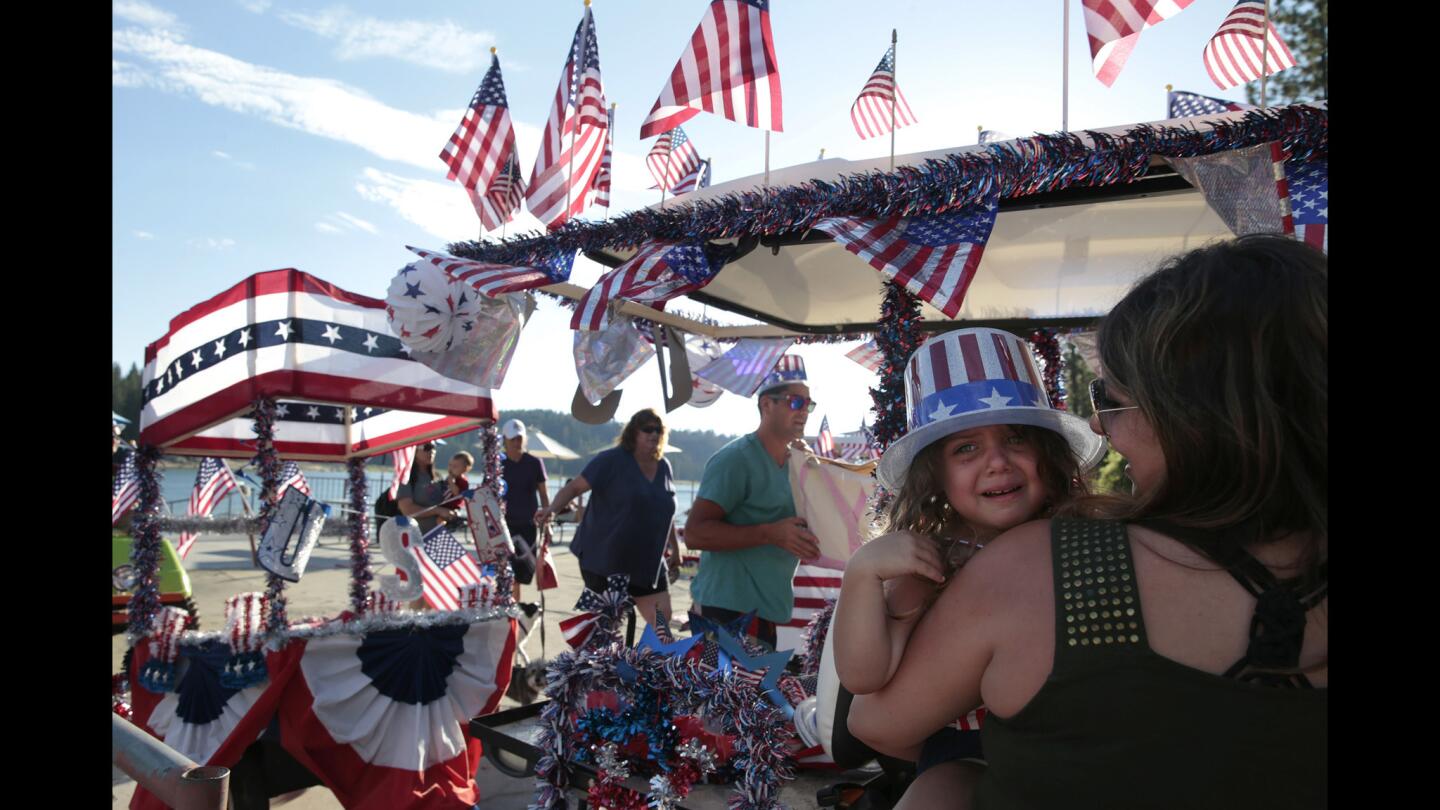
[(525, 492), (743, 519)]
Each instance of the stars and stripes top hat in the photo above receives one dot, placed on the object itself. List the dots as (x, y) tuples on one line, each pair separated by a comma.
[(790, 369), (972, 378)]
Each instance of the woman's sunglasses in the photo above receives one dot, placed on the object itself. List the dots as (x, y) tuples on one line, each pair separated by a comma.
[(652, 429), (1103, 405), (796, 402)]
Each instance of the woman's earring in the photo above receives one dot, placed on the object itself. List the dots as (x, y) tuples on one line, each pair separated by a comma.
[(932, 499)]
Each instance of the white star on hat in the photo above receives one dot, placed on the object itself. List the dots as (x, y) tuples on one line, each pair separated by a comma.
[(995, 400), (943, 411)]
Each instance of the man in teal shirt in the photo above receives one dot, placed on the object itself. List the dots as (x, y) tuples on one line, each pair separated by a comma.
[(743, 518)]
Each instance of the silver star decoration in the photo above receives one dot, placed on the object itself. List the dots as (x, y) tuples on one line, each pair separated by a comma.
[(995, 400), (220, 348), (694, 750), (943, 411), (332, 333), (371, 343), (608, 758), (283, 332)]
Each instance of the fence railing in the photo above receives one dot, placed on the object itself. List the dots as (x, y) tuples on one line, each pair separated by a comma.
[(165, 772)]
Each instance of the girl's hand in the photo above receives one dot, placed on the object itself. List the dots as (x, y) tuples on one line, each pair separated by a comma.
[(896, 555), (542, 516)]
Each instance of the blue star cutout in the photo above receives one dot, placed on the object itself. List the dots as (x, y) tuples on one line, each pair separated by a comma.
[(649, 640)]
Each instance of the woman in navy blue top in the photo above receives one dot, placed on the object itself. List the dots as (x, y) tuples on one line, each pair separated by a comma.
[(628, 526)]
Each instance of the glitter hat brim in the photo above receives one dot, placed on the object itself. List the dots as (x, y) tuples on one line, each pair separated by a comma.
[(1088, 447)]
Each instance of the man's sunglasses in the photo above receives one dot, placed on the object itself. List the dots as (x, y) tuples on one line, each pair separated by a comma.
[(429, 448), (795, 401), (1103, 405)]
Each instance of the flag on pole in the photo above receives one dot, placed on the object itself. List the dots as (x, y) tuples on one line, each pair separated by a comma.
[(484, 141), (126, 489), (1310, 201), (741, 369), (992, 136), (656, 273), (600, 189), (868, 354), (213, 481), (576, 630), (728, 68), (1234, 54), (1184, 105), (445, 568), (573, 143), (825, 443), (1114, 28), (501, 200), (672, 158), (871, 111), (404, 459), (700, 178), (934, 257), (291, 476)]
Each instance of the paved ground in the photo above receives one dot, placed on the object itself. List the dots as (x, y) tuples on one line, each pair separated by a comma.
[(220, 566)]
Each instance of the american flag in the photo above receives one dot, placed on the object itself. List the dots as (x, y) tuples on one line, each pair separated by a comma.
[(491, 279), (672, 158), (700, 178), (868, 354), (992, 136), (573, 143), (727, 68), (813, 586), (656, 273), (825, 442), (1310, 201), (576, 630), (934, 257), (445, 568), (291, 476), (741, 369), (484, 141), (404, 459), (600, 188), (1114, 28), (501, 200), (1233, 56), (871, 111), (1184, 105), (126, 489), (213, 482)]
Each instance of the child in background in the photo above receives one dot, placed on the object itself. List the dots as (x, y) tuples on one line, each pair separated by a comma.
[(456, 482), (984, 452)]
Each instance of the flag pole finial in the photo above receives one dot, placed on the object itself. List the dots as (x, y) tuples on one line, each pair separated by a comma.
[(1169, 88), (892, 36), (587, 3)]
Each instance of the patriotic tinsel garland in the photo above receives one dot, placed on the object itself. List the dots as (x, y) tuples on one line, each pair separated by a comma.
[(145, 547), (360, 575), (267, 460), (1024, 167)]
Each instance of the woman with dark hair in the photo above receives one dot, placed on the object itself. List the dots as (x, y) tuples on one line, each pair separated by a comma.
[(1174, 653), (421, 496), (628, 525)]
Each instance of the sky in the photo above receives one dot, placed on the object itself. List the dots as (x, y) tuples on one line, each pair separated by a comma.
[(251, 135)]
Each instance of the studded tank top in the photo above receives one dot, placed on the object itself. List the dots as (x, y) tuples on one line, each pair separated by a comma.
[(1118, 726)]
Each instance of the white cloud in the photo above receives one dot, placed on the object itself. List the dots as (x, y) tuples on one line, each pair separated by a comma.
[(325, 227), (439, 45), (255, 6), (145, 14), (321, 107), (124, 74), (224, 243), (143, 235), (356, 222), (226, 156)]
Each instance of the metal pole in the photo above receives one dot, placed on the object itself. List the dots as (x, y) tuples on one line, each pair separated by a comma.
[(979, 130), (894, 91), (165, 772), (1168, 89), (1065, 71), (1265, 52), (767, 158), (665, 175)]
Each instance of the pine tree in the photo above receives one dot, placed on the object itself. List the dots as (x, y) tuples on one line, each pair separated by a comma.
[(1302, 24)]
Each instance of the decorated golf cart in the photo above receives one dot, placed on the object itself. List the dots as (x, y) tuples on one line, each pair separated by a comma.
[(1036, 236)]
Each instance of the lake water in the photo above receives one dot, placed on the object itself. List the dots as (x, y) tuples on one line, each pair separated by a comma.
[(330, 487)]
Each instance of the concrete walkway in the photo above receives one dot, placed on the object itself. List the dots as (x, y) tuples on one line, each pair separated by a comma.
[(220, 566)]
